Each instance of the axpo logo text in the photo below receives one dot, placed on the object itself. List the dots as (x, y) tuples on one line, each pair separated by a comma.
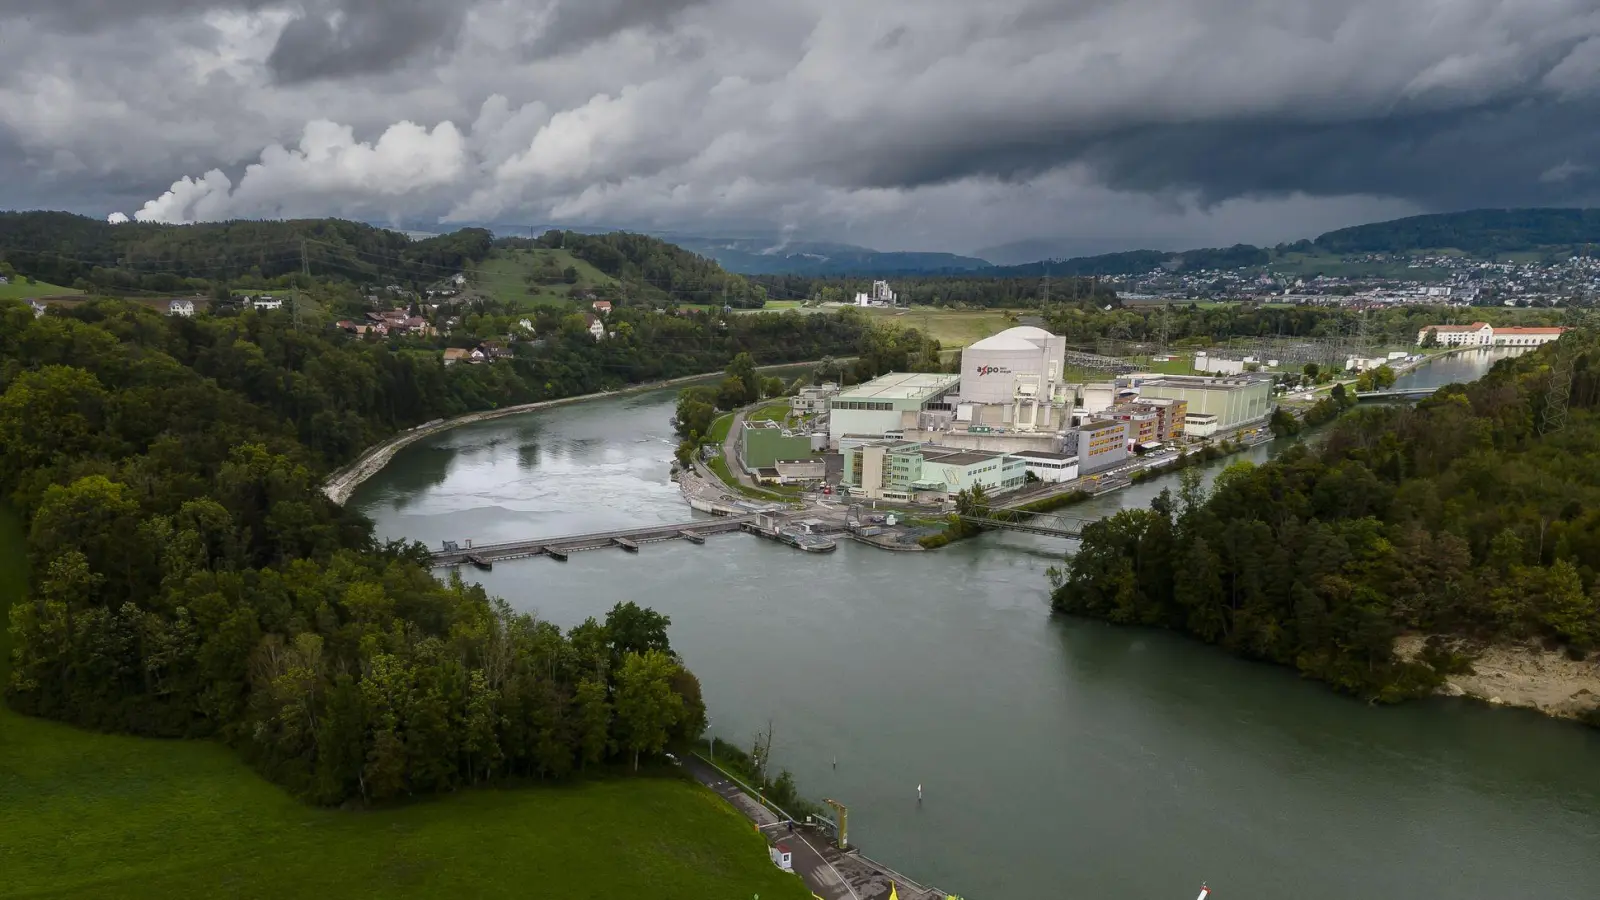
[(992, 370)]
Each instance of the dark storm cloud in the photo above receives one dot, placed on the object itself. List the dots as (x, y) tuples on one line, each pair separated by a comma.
[(904, 113), (575, 24), (96, 15), (359, 37)]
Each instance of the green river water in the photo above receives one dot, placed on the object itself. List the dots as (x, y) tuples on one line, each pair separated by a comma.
[(1059, 757)]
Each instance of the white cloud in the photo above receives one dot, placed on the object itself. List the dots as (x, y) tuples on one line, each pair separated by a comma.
[(118, 218), (329, 171)]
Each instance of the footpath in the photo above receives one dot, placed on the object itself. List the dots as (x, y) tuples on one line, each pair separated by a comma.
[(830, 874)]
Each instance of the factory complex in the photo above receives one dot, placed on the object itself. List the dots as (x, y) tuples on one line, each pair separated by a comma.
[(1011, 411)]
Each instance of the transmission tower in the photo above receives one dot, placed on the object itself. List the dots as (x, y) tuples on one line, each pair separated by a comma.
[(1161, 330)]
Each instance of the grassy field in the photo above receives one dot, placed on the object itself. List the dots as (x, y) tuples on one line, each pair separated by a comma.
[(719, 428), (17, 290), (950, 327), (504, 275), (91, 815)]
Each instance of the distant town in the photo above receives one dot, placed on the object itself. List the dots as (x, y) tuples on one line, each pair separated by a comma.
[(1383, 279)]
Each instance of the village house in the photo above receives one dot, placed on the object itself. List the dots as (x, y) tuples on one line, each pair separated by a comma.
[(267, 303), (495, 350), (453, 355), (597, 328), (180, 308), (603, 307)]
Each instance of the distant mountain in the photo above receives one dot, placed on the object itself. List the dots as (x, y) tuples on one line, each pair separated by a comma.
[(1481, 233), (1477, 232), (759, 256)]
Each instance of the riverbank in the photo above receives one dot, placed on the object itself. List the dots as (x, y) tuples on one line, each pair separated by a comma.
[(342, 483), (1545, 681)]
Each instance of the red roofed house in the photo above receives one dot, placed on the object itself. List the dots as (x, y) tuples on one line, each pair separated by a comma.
[(1525, 337), (602, 306), (1478, 334)]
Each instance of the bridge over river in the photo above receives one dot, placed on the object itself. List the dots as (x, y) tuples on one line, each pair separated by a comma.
[(557, 547), (1403, 394)]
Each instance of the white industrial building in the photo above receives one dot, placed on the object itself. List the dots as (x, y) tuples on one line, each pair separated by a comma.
[(1051, 468), (886, 407), (881, 295), (1234, 401), (1482, 334)]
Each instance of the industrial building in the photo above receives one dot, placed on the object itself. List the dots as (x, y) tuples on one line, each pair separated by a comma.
[(813, 399), (1098, 445), (885, 407), (1233, 400), (1526, 337), (763, 443), (1011, 397), (1051, 468), (1200, 425), (908, 470)]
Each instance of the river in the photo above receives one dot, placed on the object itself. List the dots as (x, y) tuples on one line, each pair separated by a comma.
[(1058, 757)]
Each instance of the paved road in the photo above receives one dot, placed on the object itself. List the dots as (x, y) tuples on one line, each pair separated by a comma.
[(818, 874), (730, 448)]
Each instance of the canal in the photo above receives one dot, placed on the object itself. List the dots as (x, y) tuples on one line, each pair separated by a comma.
[(1058, 757)]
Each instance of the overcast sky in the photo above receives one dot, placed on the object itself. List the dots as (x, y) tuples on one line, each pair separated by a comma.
[(933, 124)]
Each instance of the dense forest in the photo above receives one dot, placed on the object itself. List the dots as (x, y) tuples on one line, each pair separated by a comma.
[(1453, 519), (97, 257), (190, 578)]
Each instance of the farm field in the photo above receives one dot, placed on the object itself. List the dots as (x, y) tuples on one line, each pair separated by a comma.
[(504, 276), (19, 290), (952, 328)]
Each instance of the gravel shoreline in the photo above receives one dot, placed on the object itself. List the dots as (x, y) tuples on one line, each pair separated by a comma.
[(1529, 677)]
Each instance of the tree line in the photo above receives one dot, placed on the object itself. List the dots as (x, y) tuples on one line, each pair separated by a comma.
[(1453, 519), (190, 579), (97, 257)]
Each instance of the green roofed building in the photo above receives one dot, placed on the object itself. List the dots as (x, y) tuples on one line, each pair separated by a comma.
[(763, 443)]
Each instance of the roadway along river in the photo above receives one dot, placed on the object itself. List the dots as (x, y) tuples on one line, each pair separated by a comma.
[(1059, 757)]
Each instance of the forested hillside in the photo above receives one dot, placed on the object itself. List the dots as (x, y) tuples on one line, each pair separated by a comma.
[(1478, 232), (191, 579), (651, 269), (133, 257), (1454, 519)]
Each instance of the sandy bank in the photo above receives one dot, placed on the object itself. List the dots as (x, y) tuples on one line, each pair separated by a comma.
[(1530, 677), (341, 484)]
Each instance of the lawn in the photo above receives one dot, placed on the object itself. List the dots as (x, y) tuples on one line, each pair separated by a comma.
[(504, 275), (719, 429), (950, 327), (18, 290), (91, 815), (772, 412)]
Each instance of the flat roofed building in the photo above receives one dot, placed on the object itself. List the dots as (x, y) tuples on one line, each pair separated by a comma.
[(1200, 424), (762, 443), (1233, 400), (886, 405), (1051, 468), (1098, 445)]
